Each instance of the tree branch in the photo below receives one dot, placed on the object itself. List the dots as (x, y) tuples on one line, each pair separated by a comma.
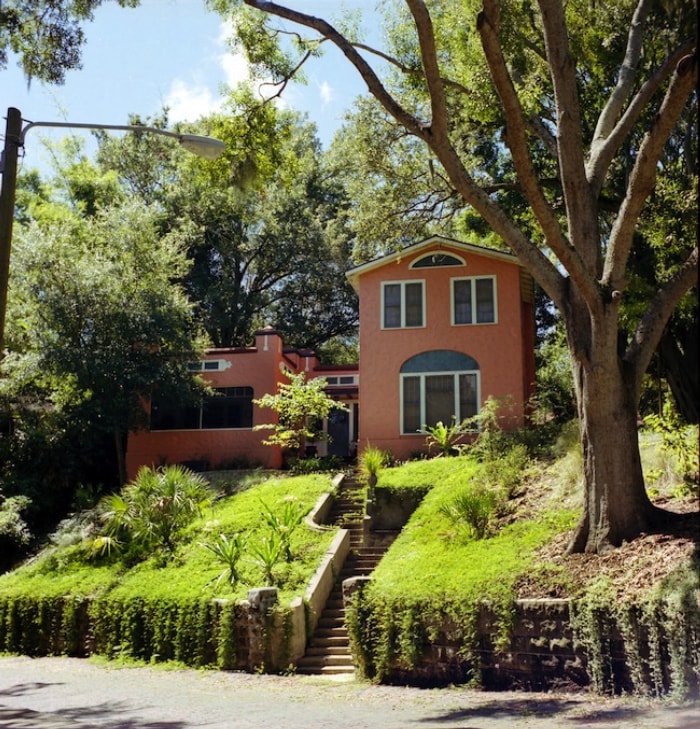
[(643, 175), (374, 84), (604, 148), (488, 24), (581, 209), (651, 326), (607, 118)]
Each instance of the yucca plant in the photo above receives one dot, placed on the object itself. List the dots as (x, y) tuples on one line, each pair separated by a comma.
[(371, 462), (473, 508), (284, 523), (444, 437), (228, 551), (266, 554)]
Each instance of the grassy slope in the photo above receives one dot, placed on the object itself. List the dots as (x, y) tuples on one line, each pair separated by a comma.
[(192, 569)]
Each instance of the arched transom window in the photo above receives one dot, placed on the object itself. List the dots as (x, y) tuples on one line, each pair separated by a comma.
[(438, 386)]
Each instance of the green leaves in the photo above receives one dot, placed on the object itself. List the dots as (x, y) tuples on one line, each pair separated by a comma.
[(151, 512), (301, 406)]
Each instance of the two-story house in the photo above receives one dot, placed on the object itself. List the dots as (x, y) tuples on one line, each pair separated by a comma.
[(443, 326)]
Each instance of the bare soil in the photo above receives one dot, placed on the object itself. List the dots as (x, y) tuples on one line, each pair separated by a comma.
[(631, 569)]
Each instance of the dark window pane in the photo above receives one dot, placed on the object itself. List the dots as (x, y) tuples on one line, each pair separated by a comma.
[(166, 415), (467, 396), (231, 407), (414, 305), (392, 305), (463, 301), (485, 307), (411, 404), (439, 399)]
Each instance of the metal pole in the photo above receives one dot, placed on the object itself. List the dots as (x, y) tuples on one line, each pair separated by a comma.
[(8, 165)]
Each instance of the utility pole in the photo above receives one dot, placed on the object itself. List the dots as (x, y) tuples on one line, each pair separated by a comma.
[(8, 167)]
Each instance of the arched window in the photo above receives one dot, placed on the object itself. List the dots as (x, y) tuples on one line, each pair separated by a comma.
[(438, 386), (437, 259)]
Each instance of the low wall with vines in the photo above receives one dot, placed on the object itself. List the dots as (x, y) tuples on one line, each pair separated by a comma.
[(223, 634), (533, 645)]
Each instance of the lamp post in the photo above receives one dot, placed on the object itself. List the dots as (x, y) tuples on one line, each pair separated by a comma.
[(207, 147)]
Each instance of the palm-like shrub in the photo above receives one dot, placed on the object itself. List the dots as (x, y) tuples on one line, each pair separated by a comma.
[(284, 522), (445, 437), (228, 552), (473, 508), (150, 512)]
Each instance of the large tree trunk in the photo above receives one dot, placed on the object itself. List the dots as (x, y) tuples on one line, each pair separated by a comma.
[(616, 505)]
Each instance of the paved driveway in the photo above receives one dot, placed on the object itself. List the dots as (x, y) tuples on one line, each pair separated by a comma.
[(67, 693)]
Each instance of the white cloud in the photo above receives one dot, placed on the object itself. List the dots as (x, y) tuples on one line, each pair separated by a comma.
[(235, 68), (189, 102), (327, 93)]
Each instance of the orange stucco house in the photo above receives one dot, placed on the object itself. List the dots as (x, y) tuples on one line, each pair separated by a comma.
[(219, 433), (443, 326)]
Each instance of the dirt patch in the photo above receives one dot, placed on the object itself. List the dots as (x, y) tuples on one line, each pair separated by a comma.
[(631, 569)]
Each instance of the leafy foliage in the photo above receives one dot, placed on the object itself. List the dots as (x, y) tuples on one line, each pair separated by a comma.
[(46, 37), (228, 551), (445, 437), (151, 512), (301, 407)]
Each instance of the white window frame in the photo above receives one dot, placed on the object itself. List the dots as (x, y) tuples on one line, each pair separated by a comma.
[(403, 284), (422, 377), (473, 280)]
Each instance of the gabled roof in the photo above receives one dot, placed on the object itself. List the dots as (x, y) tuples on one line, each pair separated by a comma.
[(438, 241)]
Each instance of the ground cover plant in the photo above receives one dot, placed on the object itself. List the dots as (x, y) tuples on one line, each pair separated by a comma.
[(474, 539), (174, 601)]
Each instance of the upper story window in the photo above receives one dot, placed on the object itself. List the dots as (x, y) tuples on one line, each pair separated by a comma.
[(474, 300), (208, 365), (403, 304), (340, 380), (437, 260)]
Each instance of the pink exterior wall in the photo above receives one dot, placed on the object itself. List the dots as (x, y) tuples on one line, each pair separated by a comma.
[(260, 368), (504, 350)]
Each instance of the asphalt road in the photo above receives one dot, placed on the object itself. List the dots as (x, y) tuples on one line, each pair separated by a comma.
[(68, 693)]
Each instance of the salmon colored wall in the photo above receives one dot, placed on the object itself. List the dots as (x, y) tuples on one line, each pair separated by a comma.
[(260, 368), (498, 348)]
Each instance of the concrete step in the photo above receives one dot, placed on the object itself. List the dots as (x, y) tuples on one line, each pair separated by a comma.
[(335, 651), (348, 669)]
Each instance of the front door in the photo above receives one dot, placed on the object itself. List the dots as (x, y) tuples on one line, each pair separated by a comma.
[(339, 433)]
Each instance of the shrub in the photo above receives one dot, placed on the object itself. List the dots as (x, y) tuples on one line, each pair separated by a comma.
[(284, 523), (372, 461), (151, 512), (445, 437), (228, 552), (473, 508), (14, 532)]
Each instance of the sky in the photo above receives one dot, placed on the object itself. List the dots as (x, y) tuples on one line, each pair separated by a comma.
[(168, 53)]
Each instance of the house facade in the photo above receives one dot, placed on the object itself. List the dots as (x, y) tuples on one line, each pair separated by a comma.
[(219, 432), (443, 326)]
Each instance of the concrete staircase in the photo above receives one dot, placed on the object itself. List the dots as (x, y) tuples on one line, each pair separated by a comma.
[(328, 652)]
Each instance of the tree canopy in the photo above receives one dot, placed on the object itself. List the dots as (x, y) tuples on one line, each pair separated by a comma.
[(582, 100), (47, 37)]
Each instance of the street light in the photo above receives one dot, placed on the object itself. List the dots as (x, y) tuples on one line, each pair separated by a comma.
[(207, 147)]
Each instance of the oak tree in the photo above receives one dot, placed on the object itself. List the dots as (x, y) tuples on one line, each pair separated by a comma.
[(521, 58)]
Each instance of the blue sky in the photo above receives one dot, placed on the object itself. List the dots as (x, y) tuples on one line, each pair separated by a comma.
[(172, 53)]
